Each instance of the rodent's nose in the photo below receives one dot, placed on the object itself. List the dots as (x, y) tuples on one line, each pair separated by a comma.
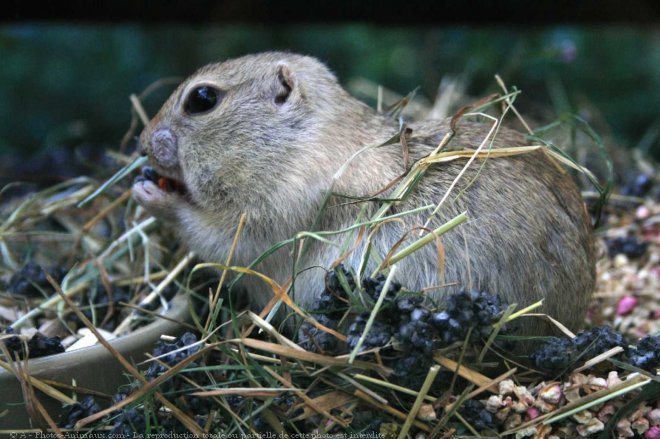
[(164, 145)]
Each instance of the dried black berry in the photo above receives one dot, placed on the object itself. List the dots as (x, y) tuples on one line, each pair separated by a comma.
[(161, 350), (235, 401), (379, 334), (418, 334), (186, 339), (407, 303), (640, 186), (38, 345), (333, 300), (285, 401), (476, 311), (75, 412), (333, 283), (374, 286), (597, 340), (647, 354), (129, 423), (96, 303), (558, 354), (476, 414), (314, 339), (329, 304), (420, 315), (31, 280), (627, 245), (424, 337), (262, 427), (406, 331), (411, 370), (41, 345)]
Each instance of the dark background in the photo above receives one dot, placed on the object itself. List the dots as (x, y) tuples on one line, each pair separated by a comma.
[(67, 68)]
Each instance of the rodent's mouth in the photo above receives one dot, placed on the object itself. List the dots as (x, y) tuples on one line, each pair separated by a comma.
[(166, 184)]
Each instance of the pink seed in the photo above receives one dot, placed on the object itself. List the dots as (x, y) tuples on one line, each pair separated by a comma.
[(532, 413), (626, 305), (653, 432)]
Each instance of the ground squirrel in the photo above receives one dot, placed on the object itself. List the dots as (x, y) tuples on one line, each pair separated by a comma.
[(264, 135)]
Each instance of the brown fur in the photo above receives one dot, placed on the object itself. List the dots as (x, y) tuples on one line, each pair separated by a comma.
[(528, 236)]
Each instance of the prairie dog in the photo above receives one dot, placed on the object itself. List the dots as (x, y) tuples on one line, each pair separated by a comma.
[(264, 135)]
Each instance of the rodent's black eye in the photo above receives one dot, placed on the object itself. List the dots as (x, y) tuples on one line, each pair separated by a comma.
[(202, 99)]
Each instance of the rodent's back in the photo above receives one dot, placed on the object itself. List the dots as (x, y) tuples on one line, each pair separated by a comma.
[(528, 236)]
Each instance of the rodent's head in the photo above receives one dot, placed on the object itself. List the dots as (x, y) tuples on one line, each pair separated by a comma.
[(233, 131)]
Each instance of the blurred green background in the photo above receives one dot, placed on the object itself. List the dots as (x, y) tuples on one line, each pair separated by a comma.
[(67, 85)]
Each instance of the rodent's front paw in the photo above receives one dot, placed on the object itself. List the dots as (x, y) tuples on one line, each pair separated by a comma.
[(157, 194)]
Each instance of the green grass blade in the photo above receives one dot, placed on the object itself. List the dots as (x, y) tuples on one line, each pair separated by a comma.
[(120, 175)]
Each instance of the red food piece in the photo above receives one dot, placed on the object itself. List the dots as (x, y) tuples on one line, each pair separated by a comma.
[(164, 184)]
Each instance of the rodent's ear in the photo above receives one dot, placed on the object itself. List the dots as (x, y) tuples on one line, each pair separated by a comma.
[(286, 84)]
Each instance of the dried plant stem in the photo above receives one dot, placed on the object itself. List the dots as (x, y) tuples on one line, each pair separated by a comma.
[(600, 358), (105, 211), (139, 109), (389, 409), (474, 155), (485, 387), (46, 388), (308, 401), (48, 304), (359, 386), (525, 310), (126, 236), (265, 392), (157, 315), (267, 327), (467, 373), (509, 101), (428, 238), (389, 385), (497, 327), (140, 279), (310, 356), (214, 300), (466, 423), (125, 324), (123, 172)]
